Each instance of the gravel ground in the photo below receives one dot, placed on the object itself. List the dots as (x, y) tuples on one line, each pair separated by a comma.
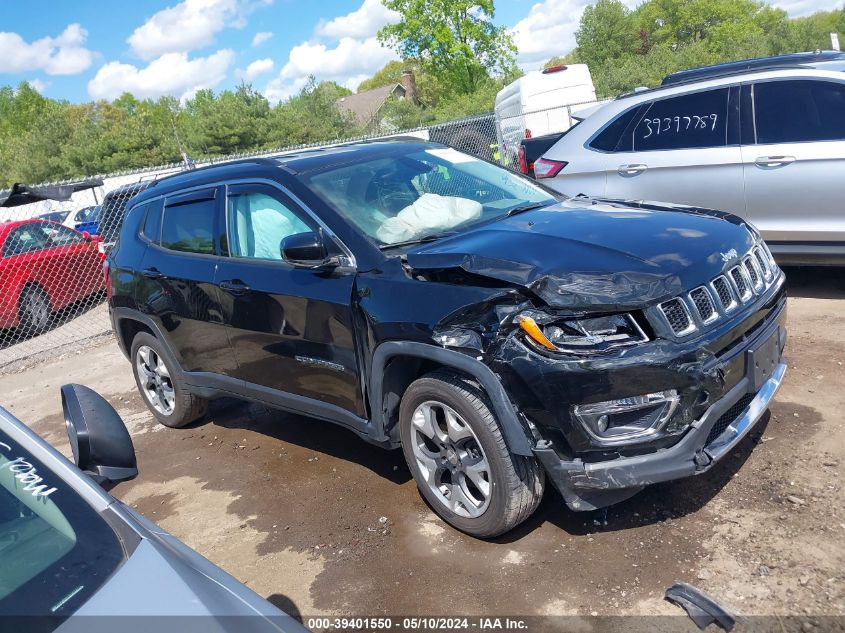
[(323, 523)]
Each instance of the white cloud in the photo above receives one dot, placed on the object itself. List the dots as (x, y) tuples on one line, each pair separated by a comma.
[(189, 25), (38, 85), (348, 63), (62, 55), (256, 68), (797, 8), (362, 23), (348, 57), (261, 37), (171, 74), (280, 90), (547, 30)]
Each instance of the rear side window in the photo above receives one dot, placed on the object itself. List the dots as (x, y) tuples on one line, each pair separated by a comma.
[(691, 121), (799, 110), (189, 226), (152, 223), (608, 140)]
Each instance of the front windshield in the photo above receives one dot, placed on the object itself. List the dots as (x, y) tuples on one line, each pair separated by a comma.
[(55, 550), (410, 196)]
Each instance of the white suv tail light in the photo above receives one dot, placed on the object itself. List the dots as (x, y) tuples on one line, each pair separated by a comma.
[(545, 168)]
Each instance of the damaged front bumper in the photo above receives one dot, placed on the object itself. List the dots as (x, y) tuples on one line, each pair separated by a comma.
[(589, 485)]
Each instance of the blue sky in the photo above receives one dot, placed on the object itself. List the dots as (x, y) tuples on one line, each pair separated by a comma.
[(97, 49)]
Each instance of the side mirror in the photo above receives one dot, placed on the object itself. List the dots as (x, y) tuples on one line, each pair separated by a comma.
[(98, 437), (86, 235), (307, 250)]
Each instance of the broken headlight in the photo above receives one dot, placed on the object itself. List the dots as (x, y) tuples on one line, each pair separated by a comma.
[(581, 335), (627, 418)]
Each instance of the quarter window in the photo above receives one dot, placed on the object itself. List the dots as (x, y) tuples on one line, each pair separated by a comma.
[(799, 110), (691, 121), (189, 227), (257, 224), (152, 223), (608, 140)]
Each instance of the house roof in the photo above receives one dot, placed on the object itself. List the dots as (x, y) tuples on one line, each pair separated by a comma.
[(365, 105)]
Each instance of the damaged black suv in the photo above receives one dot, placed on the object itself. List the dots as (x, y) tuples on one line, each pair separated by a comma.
[(501, 334)]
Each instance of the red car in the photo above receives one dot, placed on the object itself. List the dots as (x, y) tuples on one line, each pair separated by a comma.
[(44, 267)]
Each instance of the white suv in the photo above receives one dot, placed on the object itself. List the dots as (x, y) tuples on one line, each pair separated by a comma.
[(764, 139)]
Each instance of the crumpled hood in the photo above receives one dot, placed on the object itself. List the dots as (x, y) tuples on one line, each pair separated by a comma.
[(589, 254)]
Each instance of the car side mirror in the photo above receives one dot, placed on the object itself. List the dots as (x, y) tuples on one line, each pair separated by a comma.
[(86, 235), (307, 250), (101, 445)]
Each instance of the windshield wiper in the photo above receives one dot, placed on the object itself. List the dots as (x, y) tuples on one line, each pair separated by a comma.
[(420, 240), (526, 207)]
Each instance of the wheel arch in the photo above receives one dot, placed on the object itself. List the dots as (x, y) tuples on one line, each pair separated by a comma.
[(396, 364), (128, 323)]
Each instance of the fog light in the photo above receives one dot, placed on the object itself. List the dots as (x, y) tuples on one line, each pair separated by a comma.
[(621, 420), (601, 423)]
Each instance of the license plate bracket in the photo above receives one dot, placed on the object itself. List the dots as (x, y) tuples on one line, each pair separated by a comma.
[(761, 360)]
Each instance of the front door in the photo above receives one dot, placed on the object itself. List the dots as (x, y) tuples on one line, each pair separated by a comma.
[(290, 328)]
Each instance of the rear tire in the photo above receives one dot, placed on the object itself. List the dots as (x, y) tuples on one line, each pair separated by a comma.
[(455, 450), (34, 310), (160, 386)]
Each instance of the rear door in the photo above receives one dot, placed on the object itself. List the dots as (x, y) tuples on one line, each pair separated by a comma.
[(290, 328), (795, 165), (682, 149), (177, 279)]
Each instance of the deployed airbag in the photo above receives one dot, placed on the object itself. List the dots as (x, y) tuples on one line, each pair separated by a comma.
[(431, 213)]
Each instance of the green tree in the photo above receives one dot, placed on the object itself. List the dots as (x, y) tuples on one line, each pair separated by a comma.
[(225, 123), (607, 30), (310, 116), (402, 114), (455, 40)]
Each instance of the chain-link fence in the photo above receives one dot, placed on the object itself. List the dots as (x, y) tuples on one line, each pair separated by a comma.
[(53, 241)]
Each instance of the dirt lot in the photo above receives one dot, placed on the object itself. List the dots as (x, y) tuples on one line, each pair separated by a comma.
[(323, 523)]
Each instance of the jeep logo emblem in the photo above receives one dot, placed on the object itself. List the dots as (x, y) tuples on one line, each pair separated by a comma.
[(731, 254)]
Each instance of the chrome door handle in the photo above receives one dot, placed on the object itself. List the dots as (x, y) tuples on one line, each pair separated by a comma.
[(632, 169), (152, 273), (773, 161)]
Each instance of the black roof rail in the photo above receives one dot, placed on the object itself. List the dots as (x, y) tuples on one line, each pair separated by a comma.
[(759, 64)]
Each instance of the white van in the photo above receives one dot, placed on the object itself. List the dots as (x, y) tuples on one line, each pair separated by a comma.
[(541, 102)]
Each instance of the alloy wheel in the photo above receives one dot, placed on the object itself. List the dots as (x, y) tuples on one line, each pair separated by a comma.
[(155, 380), (450, 459)]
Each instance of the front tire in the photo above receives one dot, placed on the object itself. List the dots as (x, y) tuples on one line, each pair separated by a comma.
[(160, 387), (455, 450)]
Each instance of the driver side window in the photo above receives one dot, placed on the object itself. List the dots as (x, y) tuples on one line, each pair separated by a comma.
[(258, 222)]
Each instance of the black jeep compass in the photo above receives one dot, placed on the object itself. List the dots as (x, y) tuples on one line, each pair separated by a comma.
[(499, 333)]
